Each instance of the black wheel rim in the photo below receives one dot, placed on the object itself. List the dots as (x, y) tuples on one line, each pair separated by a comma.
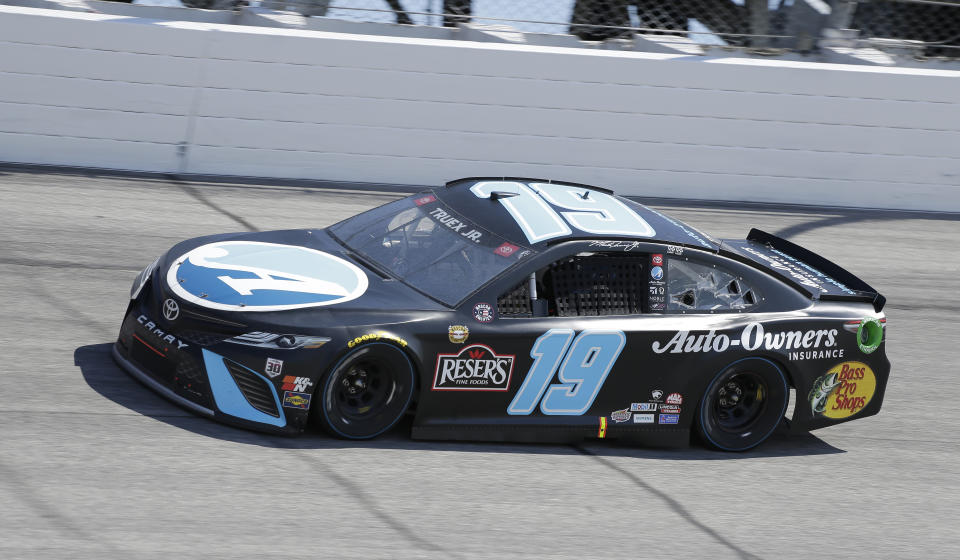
[(739, 401), (363, 389)]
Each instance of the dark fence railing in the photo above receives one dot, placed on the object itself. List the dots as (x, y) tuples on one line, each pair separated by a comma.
[(925, 28)]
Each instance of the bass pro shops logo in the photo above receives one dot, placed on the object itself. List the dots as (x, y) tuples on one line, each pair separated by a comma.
[(843, 391), (475, 368), (822, 343)]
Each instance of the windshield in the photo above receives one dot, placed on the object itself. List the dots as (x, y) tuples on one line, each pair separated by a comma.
[(429, 246)]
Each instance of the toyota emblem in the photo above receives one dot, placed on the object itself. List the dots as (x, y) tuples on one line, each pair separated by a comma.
[(171, 310)]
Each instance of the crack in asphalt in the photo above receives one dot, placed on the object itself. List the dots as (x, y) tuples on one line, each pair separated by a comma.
[(901, 441), (59, 304), (922, 307), (85, 413), (369, 503), (50, 263), (20, 487), (844, 217), (200, 197), (373, 507), (810, 225), (673, 504)]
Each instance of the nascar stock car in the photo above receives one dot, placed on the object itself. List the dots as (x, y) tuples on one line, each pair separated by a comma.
[(509, 309)]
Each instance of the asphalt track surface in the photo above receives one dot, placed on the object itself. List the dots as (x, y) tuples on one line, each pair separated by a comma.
[(94, 465)]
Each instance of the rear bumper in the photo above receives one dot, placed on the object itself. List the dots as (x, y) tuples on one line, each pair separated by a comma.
[(806, 419)]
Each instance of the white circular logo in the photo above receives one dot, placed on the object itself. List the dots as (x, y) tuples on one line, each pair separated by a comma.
[(257, 276), (171, 310)]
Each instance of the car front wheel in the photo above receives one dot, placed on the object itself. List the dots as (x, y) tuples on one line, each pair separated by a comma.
[(743, 405), (367, 392)]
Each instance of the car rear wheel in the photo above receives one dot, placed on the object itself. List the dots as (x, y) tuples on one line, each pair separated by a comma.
[(367, 392), (743, 405)]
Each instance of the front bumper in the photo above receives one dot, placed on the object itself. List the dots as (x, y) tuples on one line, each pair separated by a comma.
[(193, 372), (164, 391)]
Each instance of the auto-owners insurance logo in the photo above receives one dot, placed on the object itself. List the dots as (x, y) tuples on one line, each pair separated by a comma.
[(256, 276)]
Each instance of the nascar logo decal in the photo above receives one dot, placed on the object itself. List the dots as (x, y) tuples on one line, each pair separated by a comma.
[(256, 276)]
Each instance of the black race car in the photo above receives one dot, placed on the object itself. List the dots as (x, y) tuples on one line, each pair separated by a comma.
[(508, 309)]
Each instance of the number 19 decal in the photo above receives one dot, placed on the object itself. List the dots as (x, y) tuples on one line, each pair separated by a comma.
[(588, 210), (581, 365)]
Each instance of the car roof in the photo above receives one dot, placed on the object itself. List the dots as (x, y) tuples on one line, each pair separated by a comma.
[(491, 213)]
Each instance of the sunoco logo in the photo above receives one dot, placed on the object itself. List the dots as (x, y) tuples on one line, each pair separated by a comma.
[(476, 368), (752, 338)]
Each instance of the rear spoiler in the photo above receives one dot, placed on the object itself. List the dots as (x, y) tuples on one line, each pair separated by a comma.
[(850, 288)]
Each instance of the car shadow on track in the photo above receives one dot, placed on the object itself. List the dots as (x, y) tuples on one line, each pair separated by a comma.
[(105, 377)]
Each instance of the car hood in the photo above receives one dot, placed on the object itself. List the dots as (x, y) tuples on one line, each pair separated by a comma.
[(290, 278)]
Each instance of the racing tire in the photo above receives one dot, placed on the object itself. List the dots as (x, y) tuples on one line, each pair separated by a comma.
[(366, 392), (743, 405)]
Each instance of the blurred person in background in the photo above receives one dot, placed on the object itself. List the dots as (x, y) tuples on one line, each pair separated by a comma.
[(597, 20), (588, 14), (454, 12), (215, 4), (454, 8), (399, 12)]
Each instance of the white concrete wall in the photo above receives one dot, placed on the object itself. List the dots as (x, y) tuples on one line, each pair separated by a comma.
[(120, 92)]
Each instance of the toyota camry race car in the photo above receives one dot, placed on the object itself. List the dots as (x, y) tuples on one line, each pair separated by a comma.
[(509, 310)]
